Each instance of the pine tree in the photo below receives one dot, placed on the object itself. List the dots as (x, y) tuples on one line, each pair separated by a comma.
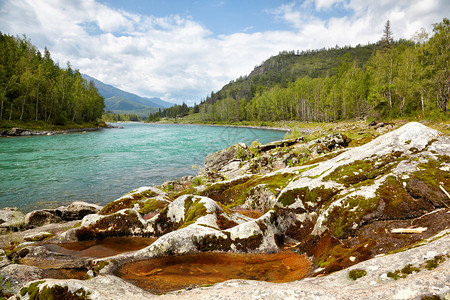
[(387, 40)]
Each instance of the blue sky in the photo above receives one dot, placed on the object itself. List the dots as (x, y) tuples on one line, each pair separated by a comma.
[(182, 50)]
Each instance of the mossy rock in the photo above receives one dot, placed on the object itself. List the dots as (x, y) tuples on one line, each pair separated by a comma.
[(208, 243), (118, 224), (237, 194), (152, 205), (398, 203), (34, 292), (362, 170), (127, 201), (345, 218), (193, 209), (316, 196)]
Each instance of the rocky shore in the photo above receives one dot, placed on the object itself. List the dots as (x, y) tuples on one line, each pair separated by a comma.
[(27, 132), (369, 216)]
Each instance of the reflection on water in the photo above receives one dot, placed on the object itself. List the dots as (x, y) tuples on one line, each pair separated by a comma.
[(161, 275)]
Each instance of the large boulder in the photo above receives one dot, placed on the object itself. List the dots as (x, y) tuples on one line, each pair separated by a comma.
[(78, 209), (337, 200), (13, 276), (38, 218), (329, 143), (10, 219), (226, 163), (98, 288)]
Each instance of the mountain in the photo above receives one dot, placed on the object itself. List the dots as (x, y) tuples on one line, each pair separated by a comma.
[(119, 101)]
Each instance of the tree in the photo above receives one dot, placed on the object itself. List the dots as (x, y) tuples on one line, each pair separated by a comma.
[(387, 40)]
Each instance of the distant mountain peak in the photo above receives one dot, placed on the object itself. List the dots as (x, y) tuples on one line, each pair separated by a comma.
[(120, 101)]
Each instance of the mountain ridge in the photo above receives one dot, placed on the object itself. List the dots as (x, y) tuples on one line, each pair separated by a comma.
[(120, 100)]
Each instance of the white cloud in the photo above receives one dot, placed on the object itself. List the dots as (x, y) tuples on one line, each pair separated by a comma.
[(178, 59)]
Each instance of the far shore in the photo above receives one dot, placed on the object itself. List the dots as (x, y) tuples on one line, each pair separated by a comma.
[(225, 125)]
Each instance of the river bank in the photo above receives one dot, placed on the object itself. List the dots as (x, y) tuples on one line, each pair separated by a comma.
[(41, 128), (369, 212)]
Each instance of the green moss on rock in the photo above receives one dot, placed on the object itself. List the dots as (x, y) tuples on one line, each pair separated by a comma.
[(151, 205), (343, 219), (361, 170), (435, 262), (316, 196), (34, 292), (117, 205), (193, 211), (356, 274)]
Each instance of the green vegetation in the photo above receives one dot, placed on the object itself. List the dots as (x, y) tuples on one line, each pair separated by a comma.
[(193, 210), (174, 112), (357, 273), (34, 88), (407, 79), (403, 273), (56, 292), (112, 117), (435, 262)]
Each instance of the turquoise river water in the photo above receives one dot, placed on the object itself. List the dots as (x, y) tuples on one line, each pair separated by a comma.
[(100, 166)]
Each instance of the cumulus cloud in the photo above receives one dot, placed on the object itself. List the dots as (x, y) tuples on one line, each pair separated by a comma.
[(178, 59)]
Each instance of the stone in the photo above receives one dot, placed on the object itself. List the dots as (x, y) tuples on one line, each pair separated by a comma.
[(78, 209), (280, 144), (107, 287), (10, 219), (35, 237), (13, 276), (4, 261), (330, 142), (219, 159), (38, 218), (339, 209)]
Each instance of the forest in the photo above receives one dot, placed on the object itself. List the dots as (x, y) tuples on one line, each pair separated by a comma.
[(385, 80), (174, 112), (113, 117), (34, 88)]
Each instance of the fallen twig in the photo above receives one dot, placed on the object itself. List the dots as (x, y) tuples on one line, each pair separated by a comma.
[(409, 230)]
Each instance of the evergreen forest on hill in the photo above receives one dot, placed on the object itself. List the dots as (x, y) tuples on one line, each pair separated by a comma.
[(34, 88), (389, 79)]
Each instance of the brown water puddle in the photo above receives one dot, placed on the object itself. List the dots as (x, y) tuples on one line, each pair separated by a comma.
[(109, 246), (165, 274)]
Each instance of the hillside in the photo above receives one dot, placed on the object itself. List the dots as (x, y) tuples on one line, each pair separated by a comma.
[(390, 79), (119, 101), (287, 66)]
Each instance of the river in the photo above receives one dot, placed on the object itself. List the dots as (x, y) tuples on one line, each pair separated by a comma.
[(100, 166)]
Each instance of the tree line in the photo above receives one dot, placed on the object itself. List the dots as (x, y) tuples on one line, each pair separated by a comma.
[(34, 88), (112, 117), (173, 112), (399, 79)]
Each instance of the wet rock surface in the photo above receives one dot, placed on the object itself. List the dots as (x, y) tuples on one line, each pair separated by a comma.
[(342, 207)]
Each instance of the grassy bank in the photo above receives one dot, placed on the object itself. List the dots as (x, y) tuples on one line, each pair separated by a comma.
[(296, 128)]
